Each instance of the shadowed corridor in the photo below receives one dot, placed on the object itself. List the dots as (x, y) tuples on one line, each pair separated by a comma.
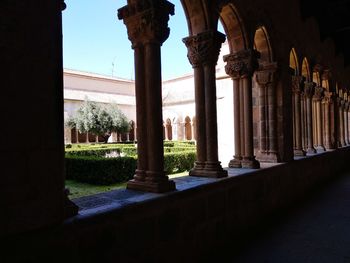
[(316, 230)]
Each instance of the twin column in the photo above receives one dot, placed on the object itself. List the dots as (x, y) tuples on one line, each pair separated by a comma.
[(241, 66), (203, 53), (147, 30)]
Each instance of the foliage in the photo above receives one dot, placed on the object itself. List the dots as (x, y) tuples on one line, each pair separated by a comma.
[(105, 171), (99, 119), (98, 170)]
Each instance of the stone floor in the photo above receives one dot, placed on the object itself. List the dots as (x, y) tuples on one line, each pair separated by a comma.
[(316, 231)]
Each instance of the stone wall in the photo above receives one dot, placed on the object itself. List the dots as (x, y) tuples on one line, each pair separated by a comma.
[(186, 224)]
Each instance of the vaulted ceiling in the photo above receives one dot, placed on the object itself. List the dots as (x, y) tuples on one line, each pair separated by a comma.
[(333, 17)]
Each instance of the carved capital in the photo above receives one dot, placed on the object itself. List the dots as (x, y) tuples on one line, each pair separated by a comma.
[(318, 94), (328, 97), (242, 63), (146, 20), (309, 88), (297, 84), (266, 73), (204, 48)]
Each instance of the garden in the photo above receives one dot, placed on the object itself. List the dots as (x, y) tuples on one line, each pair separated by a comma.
[(100, 167), (94, 168)]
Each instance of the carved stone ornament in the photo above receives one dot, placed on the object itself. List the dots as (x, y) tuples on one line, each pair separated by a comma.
[(309, 88), (328, 97), (297, 84), (266, 73), (241, 63), (319, 92), (204, 48), (147, 20)]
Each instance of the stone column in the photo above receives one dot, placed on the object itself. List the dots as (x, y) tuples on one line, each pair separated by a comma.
[(147, 29), (297, 82), (203, 53), (317, 98), (341, 121), (241, 66), (232, 69), (327, 103), (303, 121), (346, 122), (309, 92), (265, 78)]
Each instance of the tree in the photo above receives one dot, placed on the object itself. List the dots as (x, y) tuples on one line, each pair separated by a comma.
[(99, 119)]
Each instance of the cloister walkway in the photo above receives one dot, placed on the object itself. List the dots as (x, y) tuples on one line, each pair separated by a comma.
[(317, 230)]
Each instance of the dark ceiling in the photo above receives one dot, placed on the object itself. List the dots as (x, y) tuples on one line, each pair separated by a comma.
[(333, 17)]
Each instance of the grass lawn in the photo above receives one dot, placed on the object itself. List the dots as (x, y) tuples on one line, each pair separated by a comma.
[(78, 189)]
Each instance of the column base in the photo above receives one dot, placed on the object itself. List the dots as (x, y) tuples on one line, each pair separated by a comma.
[(154, 183), (310, 151), (268, 157), (250, 162), (211, 170), (236, 162), (299, 153), (320, 149)]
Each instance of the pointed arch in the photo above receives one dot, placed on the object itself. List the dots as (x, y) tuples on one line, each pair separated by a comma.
[(316, 77), (196, 16), (262, 44), (305, 69), (234, 28), (169, 129), (293, 61), (188, 128)]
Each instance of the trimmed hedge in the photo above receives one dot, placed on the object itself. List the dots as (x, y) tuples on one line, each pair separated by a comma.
[(179, 162), (101, 171), (104, 171)]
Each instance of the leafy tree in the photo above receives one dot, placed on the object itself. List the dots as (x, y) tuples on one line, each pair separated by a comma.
[(99, 119)]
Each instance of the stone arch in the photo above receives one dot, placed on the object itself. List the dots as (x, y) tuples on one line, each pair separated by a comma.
[(196, 16), (169, 129), (263, 45), (316, 77), (293, 61), (188, 128), (234, 28), (264, 100), (305, 69)]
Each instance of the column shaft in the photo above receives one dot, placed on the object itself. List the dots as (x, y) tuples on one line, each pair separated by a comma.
[(319, 122), (141, 114), (298, 150), (154, 111), (263, 126), (310, 141), (236, 161), (248, 158), (327, 125)]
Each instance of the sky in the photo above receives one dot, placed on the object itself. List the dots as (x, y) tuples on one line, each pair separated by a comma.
[(94, 40)]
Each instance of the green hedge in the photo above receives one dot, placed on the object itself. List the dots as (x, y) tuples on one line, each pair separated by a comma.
[(104, 171), (128, 150), (101, 152), (179, 162), (101, 171)]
